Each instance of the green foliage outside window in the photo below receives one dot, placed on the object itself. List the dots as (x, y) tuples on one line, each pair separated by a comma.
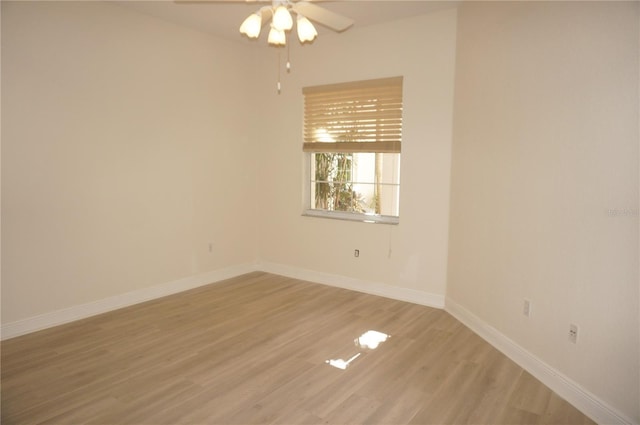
[(334, 183)]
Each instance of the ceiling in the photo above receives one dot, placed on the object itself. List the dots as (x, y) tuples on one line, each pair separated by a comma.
[(223, 18)]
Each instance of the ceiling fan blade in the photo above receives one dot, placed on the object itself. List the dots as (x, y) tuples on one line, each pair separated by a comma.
[(222, 1), (323, 16), (236, 1)]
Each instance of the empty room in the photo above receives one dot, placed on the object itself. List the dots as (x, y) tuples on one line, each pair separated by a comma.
[(305, 212)]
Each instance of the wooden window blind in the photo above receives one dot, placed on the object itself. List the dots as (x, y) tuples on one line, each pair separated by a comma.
[(361, 116)]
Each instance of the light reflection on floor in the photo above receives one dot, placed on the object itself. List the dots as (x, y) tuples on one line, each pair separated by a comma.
[(371, 339), (368, 340), (341, 364)]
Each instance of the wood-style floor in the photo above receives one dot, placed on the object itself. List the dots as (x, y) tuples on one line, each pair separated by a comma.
[(254, 350)]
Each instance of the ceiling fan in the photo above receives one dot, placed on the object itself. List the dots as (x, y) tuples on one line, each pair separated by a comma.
[(280, 13)]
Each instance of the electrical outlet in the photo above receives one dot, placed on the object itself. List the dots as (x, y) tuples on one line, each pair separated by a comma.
[(356, 253), (573, 333), (526, 309)]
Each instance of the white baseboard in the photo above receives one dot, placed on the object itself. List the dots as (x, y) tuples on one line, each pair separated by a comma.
[(59, 317), (368, 287), (583, 400)]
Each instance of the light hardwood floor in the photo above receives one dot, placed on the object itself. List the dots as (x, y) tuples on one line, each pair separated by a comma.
[(253, 349)]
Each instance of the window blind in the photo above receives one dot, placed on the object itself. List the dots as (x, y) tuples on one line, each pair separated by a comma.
[(361, 116)]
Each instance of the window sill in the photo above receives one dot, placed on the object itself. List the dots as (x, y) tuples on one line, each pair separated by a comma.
[(363, 218)]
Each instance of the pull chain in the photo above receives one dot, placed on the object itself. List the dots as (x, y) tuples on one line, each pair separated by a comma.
[(287, 65), (288, 62), (279, 71)]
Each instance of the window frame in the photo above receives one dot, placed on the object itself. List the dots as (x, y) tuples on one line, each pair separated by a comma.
[(381, 144)]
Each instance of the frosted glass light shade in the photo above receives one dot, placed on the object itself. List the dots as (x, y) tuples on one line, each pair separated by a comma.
[(282, 19), (306, 30), (251, 26), (277, 37)]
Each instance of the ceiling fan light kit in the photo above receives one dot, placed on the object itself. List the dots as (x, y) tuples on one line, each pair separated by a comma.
[(306, 30), (282, 19), (277, 37), (252, 25), (281, 22)]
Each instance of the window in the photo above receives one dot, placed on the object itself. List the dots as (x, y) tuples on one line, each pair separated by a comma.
[(352, 135)]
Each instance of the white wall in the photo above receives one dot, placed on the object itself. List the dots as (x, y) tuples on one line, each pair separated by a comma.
[(422, 49), (545, 143), (124, 153)]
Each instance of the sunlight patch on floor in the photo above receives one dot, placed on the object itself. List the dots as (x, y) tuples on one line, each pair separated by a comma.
[(371, 339), (368, 340), (342, 364)]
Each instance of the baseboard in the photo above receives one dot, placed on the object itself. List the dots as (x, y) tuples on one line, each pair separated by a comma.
[(59, 317), (583, 400), (368, 287)]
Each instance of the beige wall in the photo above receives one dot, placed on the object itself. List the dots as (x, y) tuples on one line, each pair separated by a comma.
[(422, 49), (545, 144), (124, 153)]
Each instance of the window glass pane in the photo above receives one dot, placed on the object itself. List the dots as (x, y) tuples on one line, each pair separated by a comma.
[(356, 182), (380, 199), (390, 200), (343, 197), (376, 167), (390, 168), (343, 167), (321, 196), (364, 167), (333, 167), (322, 166), (334, 196), (365, 194)]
